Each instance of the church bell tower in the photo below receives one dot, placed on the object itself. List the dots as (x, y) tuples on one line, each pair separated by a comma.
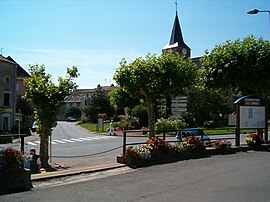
[(177, 43)]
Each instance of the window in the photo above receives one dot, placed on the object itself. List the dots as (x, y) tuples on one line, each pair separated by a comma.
[(7, 80), (6, 99), (5, 121)]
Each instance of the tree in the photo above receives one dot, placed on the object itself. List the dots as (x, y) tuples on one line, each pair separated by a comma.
[(155, 77), (99, 103), (47, 97), (121, 99), (207, 104), (242, 66), (74, 112)]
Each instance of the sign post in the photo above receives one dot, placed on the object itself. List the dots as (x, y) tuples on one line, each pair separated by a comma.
[(251, 113)]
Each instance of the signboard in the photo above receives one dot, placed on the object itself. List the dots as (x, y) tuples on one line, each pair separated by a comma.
[(232, 119), (100, 123), (251, 113), (252, 117)]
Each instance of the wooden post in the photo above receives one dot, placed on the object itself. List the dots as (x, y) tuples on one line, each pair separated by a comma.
[(22, 143), (164, 135), (237, 137), (124, 142)]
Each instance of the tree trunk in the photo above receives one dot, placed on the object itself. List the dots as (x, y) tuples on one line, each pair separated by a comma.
[(168, 107), (151, 115), (44, 146)]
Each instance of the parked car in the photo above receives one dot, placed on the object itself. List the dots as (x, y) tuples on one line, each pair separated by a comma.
[(197, 132), (34, 127), (71, 119)]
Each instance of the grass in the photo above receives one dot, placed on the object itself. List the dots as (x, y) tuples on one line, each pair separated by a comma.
[(93, 127), (220, 130), (226, 130)]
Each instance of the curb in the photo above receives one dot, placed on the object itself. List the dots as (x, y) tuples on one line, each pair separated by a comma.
[(64, 173)]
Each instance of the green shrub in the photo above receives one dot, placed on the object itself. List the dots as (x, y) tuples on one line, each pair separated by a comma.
[(170, 124), (140, 112), (4, 140)]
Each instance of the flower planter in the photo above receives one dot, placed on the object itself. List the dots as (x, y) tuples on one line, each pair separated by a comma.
[(14, 179)]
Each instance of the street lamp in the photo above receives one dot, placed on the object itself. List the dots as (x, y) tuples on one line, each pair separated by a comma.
[(255, 11)]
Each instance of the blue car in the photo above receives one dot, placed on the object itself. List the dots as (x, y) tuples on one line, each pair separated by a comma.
[(197, 132)]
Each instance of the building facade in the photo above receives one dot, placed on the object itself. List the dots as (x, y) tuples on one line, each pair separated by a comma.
[(79, 98), (8, 72)]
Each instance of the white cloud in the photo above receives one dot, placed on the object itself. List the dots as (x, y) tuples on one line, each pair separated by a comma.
[(95, 67)]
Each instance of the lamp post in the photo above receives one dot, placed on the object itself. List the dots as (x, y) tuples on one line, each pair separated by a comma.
[(255, 11)]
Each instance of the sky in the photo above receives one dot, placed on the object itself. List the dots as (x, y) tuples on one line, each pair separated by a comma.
[(95, 35)]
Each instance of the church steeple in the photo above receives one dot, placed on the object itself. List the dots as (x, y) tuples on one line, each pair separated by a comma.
[(177, 43)]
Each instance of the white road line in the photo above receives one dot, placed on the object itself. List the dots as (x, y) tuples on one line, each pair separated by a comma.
[(59, 141), (85, 138), (78, 140), (81, 139), (31, 143), (67, 140)]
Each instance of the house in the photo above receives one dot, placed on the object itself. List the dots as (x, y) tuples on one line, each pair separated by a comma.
[(21, 75), (8, 72), (79, 99), (11, 79)]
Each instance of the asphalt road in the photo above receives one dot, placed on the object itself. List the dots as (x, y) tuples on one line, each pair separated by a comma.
[(238, 177)]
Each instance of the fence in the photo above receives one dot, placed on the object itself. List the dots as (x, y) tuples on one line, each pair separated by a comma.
[(164, 135), (22, 136)]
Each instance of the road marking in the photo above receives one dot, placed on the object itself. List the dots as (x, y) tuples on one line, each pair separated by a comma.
[(59, 141), (67, 140), (85, 138), (31, 143), (81, 139), (78, 140)]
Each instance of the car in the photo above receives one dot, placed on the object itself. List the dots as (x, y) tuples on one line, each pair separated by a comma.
[(197, 132), (34, 127), (71, 119)]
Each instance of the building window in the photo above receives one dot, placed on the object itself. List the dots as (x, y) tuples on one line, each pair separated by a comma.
[(6, 99), (6, 80), (5, 122)]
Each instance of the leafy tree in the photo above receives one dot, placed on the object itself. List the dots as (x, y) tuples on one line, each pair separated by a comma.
[(99, 103), (242, 66), (155, 77), (47, 97), (207, 104), (74, 112), (121, 99)]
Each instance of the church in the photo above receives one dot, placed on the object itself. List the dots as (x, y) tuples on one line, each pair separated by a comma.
[(177, 44)]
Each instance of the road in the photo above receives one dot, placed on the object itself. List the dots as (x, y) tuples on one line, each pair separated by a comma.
[(238, 177), (74, 146)]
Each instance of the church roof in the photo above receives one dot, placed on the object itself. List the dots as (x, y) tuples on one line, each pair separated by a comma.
[(176, 36)]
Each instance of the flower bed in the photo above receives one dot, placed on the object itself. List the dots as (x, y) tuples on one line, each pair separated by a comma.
[(12, 174), (254, 140), (222, 144), (156, 150)]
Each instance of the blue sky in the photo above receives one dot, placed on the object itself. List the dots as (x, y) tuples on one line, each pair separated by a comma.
[(95, 35)]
